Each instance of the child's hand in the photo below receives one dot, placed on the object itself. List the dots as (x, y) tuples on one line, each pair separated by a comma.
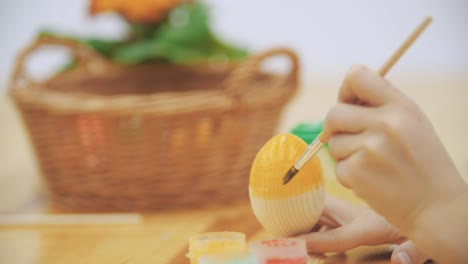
[(387, 151), (345, 226)]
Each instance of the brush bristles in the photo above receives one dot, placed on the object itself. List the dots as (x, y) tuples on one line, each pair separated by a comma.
[(289, 175)]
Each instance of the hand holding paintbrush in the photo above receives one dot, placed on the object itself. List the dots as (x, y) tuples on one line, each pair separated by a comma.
[(317, 144), (389, 154)]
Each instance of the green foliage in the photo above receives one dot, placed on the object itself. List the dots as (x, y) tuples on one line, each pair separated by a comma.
[(184, 37)]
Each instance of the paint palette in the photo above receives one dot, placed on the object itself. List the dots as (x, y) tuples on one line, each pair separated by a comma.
[(230, 248)]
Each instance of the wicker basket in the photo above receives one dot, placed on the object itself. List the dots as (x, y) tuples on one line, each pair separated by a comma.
[(136, 138)]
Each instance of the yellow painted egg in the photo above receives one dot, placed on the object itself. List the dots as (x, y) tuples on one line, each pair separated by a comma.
[(294, 208)]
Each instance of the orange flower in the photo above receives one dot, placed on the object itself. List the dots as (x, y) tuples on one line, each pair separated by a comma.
[(142, 11)]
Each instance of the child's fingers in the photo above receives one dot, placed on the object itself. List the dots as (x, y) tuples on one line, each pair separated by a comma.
[(343, 212), (346, 118), (346, 169), (341, 146), (363, 85), (325, 220), (407, 252), (335, 240)]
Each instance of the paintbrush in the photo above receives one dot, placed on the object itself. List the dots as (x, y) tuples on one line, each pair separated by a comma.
[(317, 144)]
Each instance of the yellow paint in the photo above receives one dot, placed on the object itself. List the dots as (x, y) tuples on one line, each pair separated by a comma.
[(274, 159), (215, 243)]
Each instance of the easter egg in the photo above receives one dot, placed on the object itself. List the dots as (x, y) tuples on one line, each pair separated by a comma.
[(294, 208)]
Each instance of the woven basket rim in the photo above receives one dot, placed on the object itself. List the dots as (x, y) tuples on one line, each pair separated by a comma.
[(229, 98), (63, 101), (161, 102)]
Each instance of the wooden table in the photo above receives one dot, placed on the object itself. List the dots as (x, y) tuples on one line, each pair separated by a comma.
[(162, 237)]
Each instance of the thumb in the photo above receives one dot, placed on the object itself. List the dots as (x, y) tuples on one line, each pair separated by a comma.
[(408, 253)]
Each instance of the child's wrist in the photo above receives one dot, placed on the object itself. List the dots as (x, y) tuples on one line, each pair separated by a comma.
[(437, 203), (440, 223)]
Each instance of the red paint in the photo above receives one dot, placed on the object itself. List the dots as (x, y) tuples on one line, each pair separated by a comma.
[(279, 243)]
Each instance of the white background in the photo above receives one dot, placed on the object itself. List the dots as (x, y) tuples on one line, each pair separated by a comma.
[(329, 35)]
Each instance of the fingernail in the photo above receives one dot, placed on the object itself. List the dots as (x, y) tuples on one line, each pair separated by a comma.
[(403, 258)]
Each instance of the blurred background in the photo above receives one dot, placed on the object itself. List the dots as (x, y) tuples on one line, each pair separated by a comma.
[(329, 37)]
